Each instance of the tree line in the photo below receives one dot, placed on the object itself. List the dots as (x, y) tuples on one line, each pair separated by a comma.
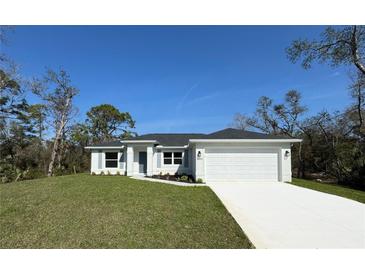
[(43, 139), (333, 143)]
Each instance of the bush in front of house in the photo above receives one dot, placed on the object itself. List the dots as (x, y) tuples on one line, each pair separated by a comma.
[(176, 177), (184, 178), (199, 181)]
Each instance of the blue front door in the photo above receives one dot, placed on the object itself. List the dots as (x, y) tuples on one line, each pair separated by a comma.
[(142, 162)]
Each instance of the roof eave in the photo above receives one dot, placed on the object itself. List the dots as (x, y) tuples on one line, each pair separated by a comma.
[(104, 147), (165, 146), (139, 141), (245, 140)]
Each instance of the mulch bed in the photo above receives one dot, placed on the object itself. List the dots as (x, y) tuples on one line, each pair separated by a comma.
[(176, 178)]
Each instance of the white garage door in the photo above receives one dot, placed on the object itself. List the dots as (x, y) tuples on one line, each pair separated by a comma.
[(241, 165)]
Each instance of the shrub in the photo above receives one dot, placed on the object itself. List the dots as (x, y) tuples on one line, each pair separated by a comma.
[(108, 173), (58, 172), (33, 174), (8, 172), (102, 173), (184, 178), (199, 180), (118, 173), (93, 173)]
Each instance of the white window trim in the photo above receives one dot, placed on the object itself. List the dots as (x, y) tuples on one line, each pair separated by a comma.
[(111, 160), (172, 158)]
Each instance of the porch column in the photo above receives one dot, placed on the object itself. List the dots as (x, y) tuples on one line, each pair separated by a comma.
[(130, 159), (149, 160)]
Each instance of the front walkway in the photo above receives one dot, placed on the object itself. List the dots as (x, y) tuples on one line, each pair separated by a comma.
[(166, 181), (279, 215)]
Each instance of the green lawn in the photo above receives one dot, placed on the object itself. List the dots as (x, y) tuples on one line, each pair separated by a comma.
[(84, 211), (338, 190)]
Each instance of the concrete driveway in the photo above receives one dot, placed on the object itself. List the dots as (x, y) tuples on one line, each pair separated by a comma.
[(280, 215)]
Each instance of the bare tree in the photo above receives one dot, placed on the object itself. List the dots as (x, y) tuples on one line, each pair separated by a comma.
[(357, 110), (264, 117), (337, 45), (278, 119), (4, 30), (341, 134), (240, 121), (57, 92), (274, 118)]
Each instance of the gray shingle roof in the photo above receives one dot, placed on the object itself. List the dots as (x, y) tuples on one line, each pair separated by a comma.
[(170, 139), (232, 133), (181, 139), (108, 144)]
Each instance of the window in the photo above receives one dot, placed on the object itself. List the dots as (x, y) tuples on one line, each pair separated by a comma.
[(111, 159), (170, 158), (177, 158), (167, 158)]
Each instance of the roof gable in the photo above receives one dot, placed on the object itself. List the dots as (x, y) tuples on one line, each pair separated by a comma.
[(232, 133)]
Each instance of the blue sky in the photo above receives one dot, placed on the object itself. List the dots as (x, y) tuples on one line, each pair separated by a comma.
[(178, 78)]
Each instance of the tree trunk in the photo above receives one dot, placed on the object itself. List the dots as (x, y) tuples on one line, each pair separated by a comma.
[(55, 149), (59, 135), (60, 151), (355, 51), (300, 170)]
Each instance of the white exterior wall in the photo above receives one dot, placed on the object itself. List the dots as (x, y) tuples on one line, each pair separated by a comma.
[(96, 153), (171, 169), (286, 163), (130, 161), (196, 166), (199, 162), (193, 159), (150, 151), (152, 166), (94, 161), (135, 159)]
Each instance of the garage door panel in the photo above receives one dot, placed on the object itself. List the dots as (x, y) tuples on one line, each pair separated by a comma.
[(241, 165)]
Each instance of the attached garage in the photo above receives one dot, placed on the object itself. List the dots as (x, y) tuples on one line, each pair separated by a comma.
[(242, 164)]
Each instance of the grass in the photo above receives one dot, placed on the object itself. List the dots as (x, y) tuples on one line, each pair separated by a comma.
[(334, 189), (84, 211)]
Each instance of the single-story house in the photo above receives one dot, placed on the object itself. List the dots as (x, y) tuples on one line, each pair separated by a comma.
[(228, 155)]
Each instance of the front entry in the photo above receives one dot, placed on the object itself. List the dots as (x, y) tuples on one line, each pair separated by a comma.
[(142, 162)]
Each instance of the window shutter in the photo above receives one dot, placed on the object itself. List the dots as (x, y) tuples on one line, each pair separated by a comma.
[(159, 160), (100, 160), (186, 158), (121, 160)]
